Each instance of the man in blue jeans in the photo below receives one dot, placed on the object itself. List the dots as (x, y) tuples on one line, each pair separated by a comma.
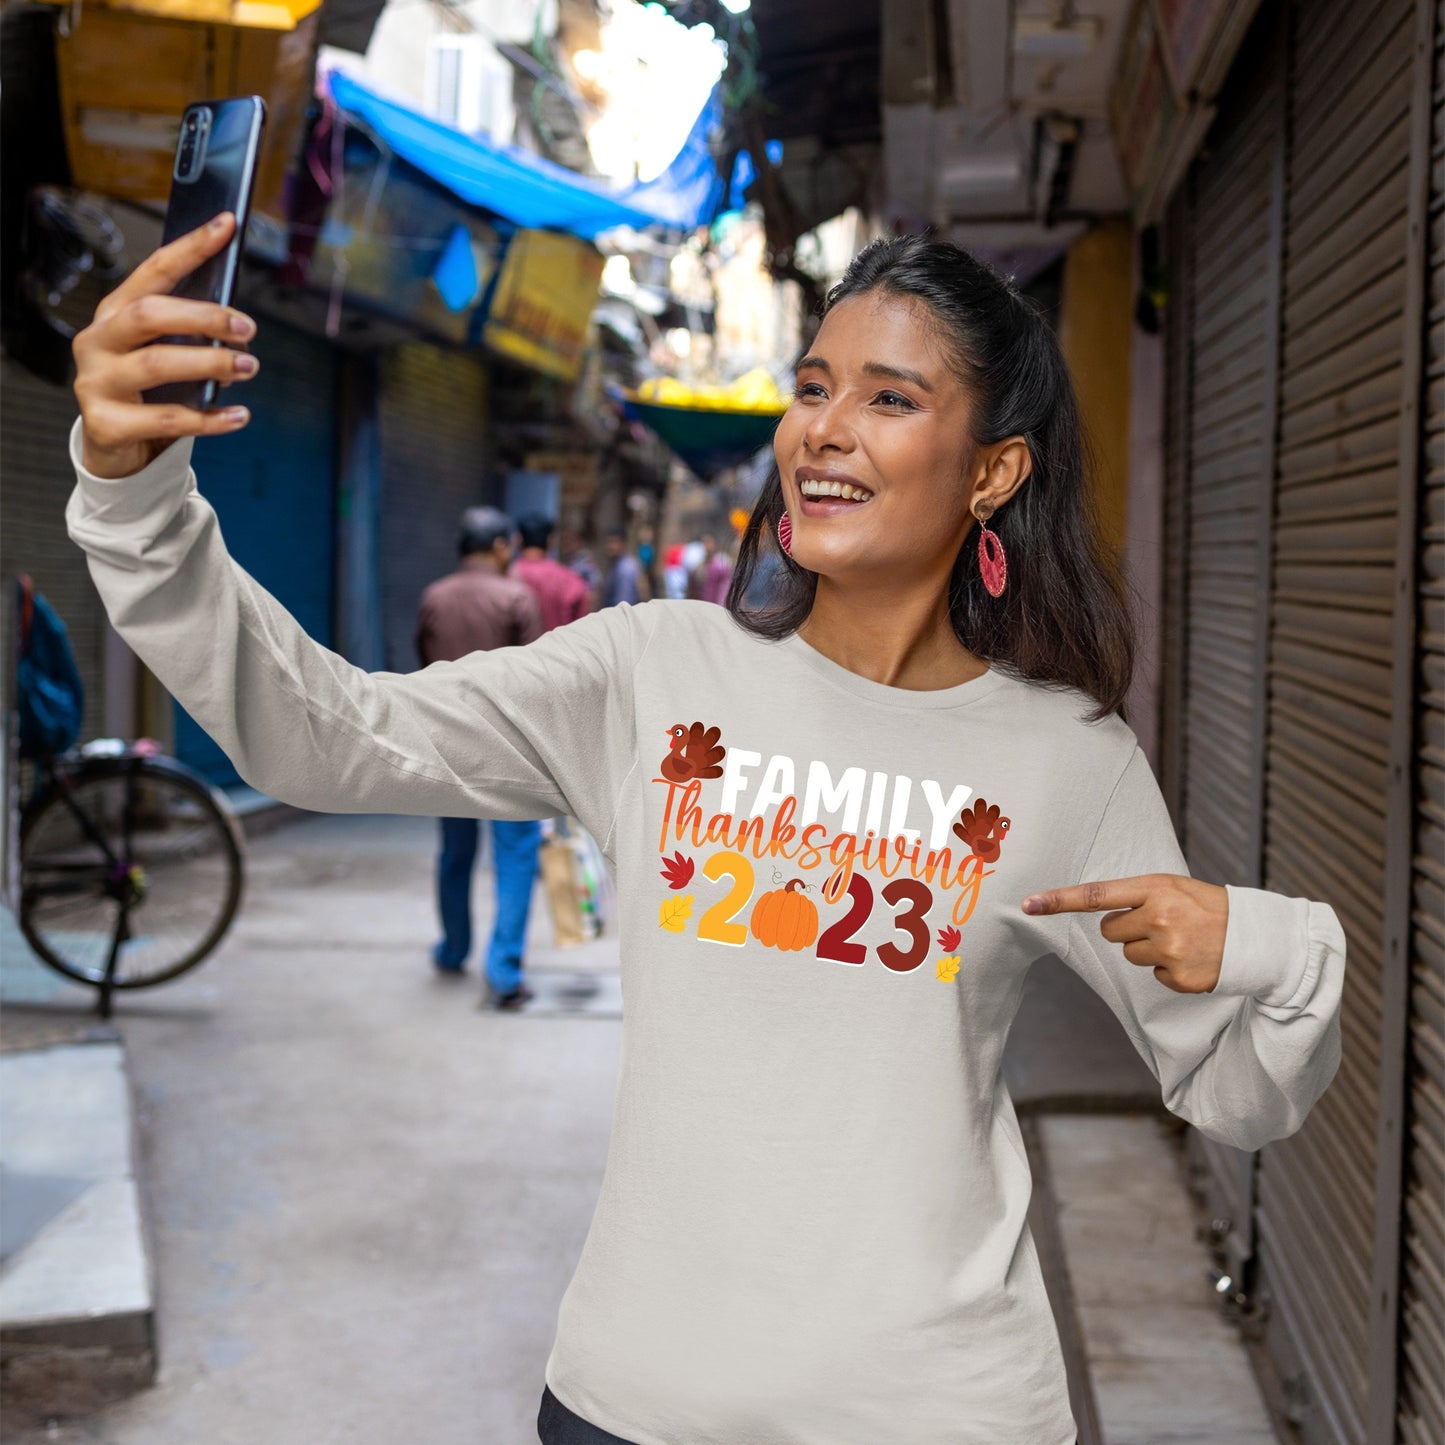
[(478, 607)]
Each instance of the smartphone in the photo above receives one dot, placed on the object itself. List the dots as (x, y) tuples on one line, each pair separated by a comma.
[(214, 171)]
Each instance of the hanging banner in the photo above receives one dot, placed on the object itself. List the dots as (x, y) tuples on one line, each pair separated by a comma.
[(1199, 40), (1155, 131), (394, 244), (543, 303)]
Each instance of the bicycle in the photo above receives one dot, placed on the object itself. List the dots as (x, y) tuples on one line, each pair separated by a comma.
[(131, 865)]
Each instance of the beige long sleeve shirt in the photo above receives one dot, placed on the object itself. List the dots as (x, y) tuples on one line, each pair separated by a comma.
[(812, 1229)]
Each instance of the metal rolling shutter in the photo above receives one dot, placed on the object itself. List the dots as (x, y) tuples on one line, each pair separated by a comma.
[(1174, 656), (1230, 317), (273, 486), (1421, 1417), (434, 463), (35, 466), (1330, 656)]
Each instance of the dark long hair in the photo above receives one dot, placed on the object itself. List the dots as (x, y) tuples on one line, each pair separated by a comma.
[(1063, 619)]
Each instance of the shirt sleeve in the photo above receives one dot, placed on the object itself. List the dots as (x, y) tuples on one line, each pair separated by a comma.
[(519, 732), (1246, 1062)]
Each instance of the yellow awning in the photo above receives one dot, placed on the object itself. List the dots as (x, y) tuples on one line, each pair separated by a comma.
[(248, 14), (754, 393)]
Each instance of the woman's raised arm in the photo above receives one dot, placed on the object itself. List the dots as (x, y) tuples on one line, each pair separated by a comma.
[(515, 733)]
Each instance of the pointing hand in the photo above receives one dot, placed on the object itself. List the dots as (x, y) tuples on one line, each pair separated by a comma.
[(1169, 922)]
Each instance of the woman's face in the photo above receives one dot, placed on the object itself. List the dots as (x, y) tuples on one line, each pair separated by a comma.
[(877, 411)]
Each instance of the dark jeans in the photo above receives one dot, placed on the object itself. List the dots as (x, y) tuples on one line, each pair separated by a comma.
[(557, 1425), (514, 846)]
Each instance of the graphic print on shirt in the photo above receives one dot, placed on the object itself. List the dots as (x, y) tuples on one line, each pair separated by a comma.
[(858, 867), (693, 753)]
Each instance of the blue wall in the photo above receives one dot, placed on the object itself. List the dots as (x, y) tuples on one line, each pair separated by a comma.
[(273, 488)]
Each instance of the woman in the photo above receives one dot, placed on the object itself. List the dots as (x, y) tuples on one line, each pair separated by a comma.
[(842, 829)]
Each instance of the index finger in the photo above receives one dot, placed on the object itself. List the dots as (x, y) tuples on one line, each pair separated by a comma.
[(1090, 897), (170, 264)]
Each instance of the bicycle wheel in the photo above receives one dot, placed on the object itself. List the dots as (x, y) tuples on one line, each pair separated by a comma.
[(138, 854)]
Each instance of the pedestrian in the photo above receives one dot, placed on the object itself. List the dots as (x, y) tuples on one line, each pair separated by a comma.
[(476, 609), (647, 560), (693, 556), (710, 579), (624, 578), (576, 556), (560, 592), (843, 830), (674, 574)]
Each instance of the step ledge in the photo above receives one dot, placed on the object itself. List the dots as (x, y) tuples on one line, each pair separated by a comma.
[(77, 1299)]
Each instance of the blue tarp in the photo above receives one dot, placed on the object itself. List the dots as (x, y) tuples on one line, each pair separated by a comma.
[(530, 190)]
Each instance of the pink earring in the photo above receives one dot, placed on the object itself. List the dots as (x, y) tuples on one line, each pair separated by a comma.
[(785, 533), (992, 563)]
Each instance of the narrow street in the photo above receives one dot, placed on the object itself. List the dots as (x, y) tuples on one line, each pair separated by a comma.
[(367, 1194), (1097, 347)]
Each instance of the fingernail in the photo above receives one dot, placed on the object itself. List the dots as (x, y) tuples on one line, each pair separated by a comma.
[(242, 325), (218, 223), (236, 416), (1033, 905), (245, 364)]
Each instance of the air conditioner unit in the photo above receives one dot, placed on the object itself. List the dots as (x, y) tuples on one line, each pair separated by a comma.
[(469, 85)]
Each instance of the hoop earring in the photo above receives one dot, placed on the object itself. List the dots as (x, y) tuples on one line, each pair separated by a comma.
[(992, 561), (785, 534)]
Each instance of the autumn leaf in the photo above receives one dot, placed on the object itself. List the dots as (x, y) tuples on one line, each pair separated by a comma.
[(948, 968), (674, 913), (677, 870), (948, 938)]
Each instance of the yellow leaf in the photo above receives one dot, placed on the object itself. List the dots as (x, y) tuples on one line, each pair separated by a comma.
[(675, 912), (948, 968)]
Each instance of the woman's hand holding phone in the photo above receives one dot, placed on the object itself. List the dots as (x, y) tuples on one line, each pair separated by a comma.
[(116, 360)]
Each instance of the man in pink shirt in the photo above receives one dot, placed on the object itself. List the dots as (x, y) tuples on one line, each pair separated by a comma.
[(561, 594), (475, 609)]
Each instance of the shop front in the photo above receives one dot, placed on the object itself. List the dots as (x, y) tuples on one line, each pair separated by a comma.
[(1303, 706)]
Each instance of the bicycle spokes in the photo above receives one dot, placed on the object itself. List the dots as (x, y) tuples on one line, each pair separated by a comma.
[(128, 875)]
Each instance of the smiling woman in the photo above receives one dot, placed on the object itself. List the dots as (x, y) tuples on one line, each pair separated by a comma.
[(843, 833), (934, 395)]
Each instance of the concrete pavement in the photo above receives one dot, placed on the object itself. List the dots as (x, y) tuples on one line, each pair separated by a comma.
[(367, 1194)]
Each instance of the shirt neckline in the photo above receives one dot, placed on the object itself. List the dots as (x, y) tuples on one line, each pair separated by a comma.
[(960, 695)]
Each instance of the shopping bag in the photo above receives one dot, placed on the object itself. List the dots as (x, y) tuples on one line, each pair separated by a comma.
[(560, 879)]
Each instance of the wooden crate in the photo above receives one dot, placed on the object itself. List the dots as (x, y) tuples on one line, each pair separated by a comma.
[(125, 78)]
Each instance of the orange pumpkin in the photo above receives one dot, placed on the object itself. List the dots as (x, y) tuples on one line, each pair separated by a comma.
[(785, 919)]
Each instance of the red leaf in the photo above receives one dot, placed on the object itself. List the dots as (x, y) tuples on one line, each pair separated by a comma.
[(677, 870), (948, 938)]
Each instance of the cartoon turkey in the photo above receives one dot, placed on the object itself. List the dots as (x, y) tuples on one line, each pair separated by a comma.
[(693, 753), (982, 829)]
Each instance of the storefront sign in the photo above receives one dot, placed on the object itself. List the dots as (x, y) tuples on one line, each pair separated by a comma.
[(577, 470), (543, 302)]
